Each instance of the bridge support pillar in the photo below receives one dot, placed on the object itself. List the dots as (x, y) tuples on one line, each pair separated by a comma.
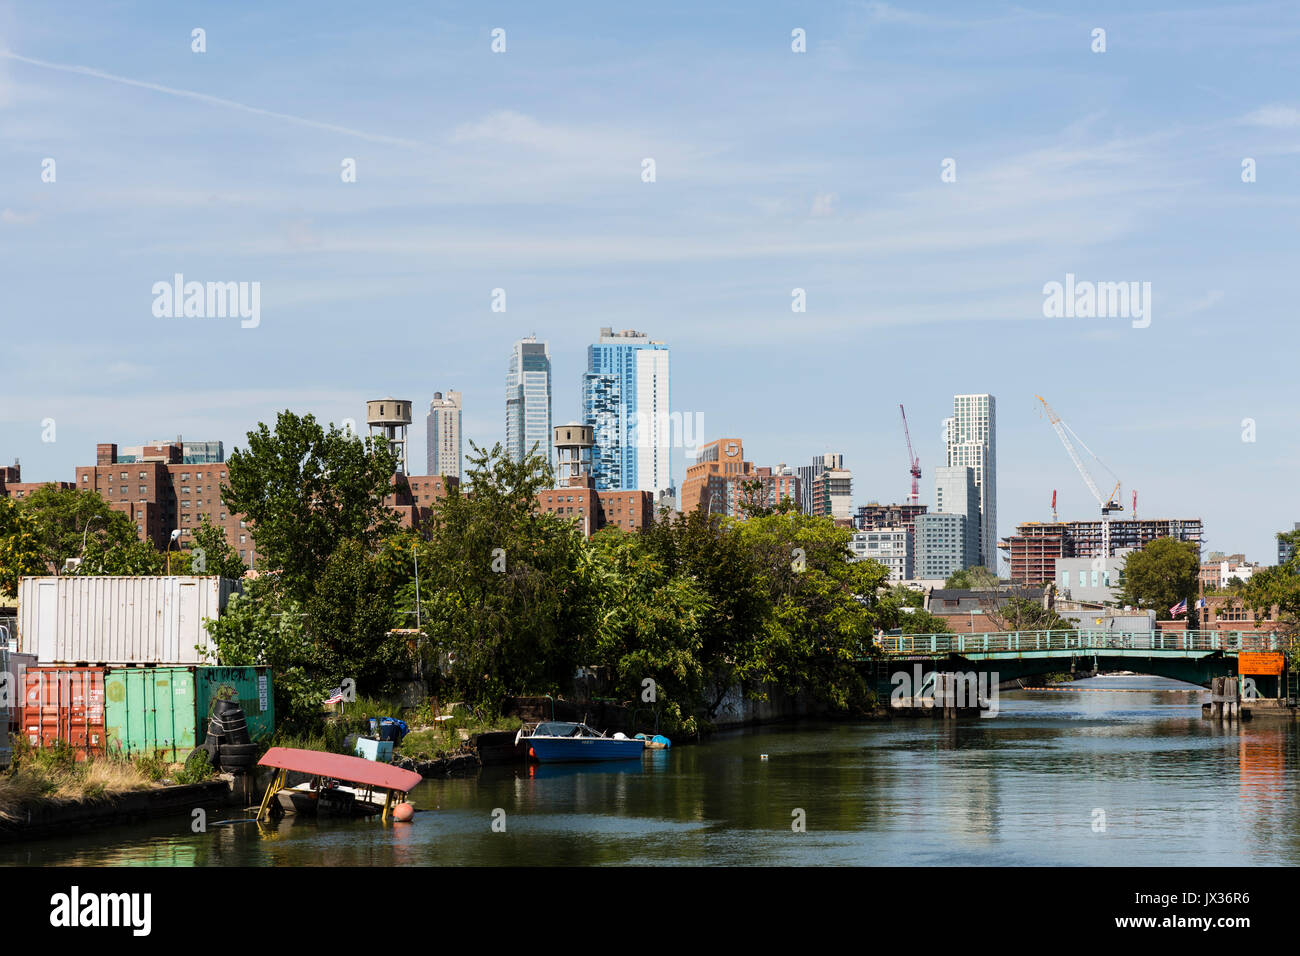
[(1225, 700)]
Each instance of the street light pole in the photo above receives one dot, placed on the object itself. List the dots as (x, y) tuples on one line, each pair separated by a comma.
[(176, 534), (416, 554)]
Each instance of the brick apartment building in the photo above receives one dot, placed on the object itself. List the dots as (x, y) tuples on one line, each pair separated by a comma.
[(577, 496), (13, 486), (415, 498), (717, 480), (159, 491)]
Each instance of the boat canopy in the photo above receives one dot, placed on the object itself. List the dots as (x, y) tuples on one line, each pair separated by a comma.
[(355, 770), (556, 728)]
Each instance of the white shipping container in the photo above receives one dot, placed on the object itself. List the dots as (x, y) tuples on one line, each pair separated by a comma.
[(120, 620)]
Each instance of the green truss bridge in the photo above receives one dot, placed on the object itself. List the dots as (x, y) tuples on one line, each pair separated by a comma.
[(1192, 656)]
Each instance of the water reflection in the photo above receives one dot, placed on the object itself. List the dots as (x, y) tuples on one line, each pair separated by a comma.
[(1128, 776)]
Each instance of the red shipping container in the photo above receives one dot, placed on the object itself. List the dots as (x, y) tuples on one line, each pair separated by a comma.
[(65, 704)]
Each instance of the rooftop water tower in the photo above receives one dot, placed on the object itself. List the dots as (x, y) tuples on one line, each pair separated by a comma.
[(573, 444), (389, 418)]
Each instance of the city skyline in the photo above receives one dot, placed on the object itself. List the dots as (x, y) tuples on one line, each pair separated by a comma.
[(530, 182)]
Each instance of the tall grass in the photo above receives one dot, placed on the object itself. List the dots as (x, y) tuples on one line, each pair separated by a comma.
[(53, 774)]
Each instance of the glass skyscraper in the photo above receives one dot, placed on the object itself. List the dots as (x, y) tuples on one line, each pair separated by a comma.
[(528, 401), (625, 401)]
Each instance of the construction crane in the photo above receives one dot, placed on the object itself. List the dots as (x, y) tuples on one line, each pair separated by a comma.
[(1053, 505), (1108, 504), (913, 461)]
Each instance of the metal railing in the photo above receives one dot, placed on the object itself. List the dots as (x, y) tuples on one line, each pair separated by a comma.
[(1030, 642)]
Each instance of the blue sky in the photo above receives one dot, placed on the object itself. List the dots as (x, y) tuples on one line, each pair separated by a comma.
[(774, 170)]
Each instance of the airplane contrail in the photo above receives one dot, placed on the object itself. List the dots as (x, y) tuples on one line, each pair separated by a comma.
[(213, 100)]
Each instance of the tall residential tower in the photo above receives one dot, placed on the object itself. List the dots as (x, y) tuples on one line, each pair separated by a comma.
[(625, 401), (971, 437), (443, 448), (528, 400)]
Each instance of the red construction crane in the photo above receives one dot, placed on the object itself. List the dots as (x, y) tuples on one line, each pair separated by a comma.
[(1053, 504), (915, 462)]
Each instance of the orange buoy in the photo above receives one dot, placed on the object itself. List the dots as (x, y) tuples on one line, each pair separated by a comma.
[(403, 813)]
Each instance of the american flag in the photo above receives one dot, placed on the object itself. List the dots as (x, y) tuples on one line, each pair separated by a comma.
[(336, 697), (1179, 608)]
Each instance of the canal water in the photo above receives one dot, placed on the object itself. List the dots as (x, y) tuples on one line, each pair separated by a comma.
[(1120, 771)]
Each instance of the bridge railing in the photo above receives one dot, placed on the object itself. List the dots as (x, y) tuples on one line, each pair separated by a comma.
[(1031, 642)]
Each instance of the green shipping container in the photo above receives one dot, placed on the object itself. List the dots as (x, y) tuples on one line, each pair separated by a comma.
[(250, 686), (150, 711)]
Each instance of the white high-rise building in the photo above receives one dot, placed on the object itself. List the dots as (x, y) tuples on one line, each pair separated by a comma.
[(528, 401), (971, 437), (625, 400), (443, 448)]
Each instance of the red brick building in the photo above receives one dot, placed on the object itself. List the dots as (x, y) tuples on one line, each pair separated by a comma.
[(159, 492), (415, 498), (12, 485), (577, 497)]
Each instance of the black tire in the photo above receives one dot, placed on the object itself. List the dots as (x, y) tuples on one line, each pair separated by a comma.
[(238, 750)]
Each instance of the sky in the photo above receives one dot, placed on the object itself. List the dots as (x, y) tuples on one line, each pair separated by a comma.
[(774, 170)]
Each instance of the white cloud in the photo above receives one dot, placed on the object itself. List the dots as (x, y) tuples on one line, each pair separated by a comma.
[(823, 204), (1275, 117)]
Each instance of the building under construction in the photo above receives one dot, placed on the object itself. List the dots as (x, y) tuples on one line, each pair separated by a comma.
[(1032, 551)]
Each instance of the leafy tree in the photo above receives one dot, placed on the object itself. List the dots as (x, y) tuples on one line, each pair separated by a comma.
[(211, 553), (649, 626), (125, 557), (261, 626), (705, 549), (902, 609), (20, 548), (348, 617), (822, 621), (506, 589), (65, 517), (1279, 587), (976, 577), (1160, 575), (305, 490)]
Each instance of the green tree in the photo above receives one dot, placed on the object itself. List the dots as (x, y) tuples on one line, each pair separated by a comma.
[(822, 621), (976, 577), (20, 547), (903, 609), (305, 490), (62, 518), (649, 626), (705, 549), (211, 553), (1160, 575), (132, 556), (506, 590), (1279, 588), (348, 617), (261, 626)]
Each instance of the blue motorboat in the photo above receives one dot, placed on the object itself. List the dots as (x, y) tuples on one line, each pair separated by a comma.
[(561, 742)]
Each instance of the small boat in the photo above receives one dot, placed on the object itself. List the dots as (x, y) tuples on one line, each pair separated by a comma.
[(562, 741), (339, 785)]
